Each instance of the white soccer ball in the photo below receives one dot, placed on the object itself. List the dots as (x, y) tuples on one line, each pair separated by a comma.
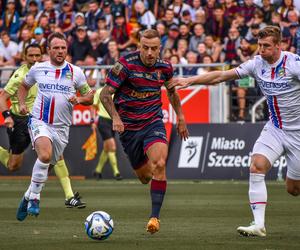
[(99, 225)]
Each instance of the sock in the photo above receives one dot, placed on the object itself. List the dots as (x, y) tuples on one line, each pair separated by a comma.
[(102, 159), (258, 198), (157, 191), (39, 177), (113, 162), (27, 193), (4, 156), (62, 173)]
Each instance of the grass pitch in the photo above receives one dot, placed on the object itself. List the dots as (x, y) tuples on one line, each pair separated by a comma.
[(195, 215)]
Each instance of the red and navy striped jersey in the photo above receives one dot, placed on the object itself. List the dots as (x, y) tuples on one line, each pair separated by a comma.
[(138, 89)]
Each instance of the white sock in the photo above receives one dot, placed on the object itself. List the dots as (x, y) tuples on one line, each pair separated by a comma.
[(258, 198), (39, 177), (27, 193)]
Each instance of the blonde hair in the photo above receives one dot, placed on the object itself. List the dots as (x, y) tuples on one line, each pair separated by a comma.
[(273, 31)]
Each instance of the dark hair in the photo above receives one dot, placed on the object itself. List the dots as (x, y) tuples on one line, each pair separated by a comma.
[(33, 45), (272, 31), (55, 35), (3, 33), (150, 33)]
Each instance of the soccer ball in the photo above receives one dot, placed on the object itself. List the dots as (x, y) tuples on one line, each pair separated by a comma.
[(99, 225)]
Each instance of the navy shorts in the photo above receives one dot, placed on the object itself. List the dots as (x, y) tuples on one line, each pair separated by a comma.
[(136, 143), (105, 128)]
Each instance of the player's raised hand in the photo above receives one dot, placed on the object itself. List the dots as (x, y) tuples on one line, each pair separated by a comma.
[(118, 125), (23, 109), (182, 129), (180, 82)]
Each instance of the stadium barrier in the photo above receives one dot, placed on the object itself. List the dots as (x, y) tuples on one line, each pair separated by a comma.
[(213, 151)]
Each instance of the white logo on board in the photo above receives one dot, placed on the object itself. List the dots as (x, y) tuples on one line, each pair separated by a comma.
[(190, 152)]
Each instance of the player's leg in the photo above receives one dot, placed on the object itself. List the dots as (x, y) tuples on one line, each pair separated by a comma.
[(62, 173), (43, 148), (110, 147), (266, 151)]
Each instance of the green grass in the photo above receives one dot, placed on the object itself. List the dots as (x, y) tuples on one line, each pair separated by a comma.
[(195, 215)]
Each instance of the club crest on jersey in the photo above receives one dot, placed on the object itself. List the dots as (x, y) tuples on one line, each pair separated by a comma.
[(281, 72), (68, 75), (117, 68), (158, 72)]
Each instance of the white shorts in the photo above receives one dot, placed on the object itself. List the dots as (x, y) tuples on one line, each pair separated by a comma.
[(274, 142), (58, 136)]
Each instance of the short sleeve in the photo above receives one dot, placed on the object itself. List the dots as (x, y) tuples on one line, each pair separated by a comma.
[(81, 82), (13, 84), (117, 75), (246, 69), (30, 77)]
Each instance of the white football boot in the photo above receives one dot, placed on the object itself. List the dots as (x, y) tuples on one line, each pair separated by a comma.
[(252, 230)]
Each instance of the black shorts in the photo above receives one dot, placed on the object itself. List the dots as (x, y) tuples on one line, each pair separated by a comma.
[(19, 138), (105, 128)]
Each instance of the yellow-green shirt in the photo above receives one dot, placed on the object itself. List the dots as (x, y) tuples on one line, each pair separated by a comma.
[(101, 110), (12, 87)]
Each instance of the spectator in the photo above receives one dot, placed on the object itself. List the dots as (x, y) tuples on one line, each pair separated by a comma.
[(106, 15), (29, 23), (179, 7), (92, 16), (196, 6), (169, 18), (230, 10), (197, 38), (91, 74), (230, 47), (217, 26), (25, 40), (172, 40), (191, 59), (285, 8), (161, 28), (94, 40), (118, 6), (8, 52), (244, 51), (120, 32), (213, 48), (79, 21), (206, 60), (182, 50), (248, 10), (80, 47), (200, 17), (10, 20), (146, 18), (186, 19), (267, 10), (252, 35), (44, 24), (209, 9), (184, 32), (174, 59), (50, 12), (201, 52), (112, 56), (32, 8), (239, 23), (167, 54), (296, 42), (66, 18), (40, 39)]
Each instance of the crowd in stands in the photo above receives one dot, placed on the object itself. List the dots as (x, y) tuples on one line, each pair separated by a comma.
[(192, 31)]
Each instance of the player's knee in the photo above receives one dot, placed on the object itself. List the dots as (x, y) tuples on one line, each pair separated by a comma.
[(44, 157), (160, 165), (295, 191), (14, 166)]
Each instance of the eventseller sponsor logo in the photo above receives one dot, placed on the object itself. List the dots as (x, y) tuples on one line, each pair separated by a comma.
[(190, 152)]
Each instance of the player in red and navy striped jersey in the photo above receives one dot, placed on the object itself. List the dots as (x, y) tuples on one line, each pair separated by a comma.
[(136, 81)]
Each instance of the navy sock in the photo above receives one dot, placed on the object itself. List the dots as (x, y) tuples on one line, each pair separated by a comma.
[(157, 190)]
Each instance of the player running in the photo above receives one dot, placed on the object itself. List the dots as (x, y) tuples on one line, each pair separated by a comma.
[(136, 81), (277, 73), (57, 82), (17, 128)]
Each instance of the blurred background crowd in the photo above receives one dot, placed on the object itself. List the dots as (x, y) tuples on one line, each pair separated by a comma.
[(192, 31)]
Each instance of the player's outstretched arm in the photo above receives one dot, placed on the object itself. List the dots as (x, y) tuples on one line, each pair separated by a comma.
[(176, 104), (22, 94), (107, 101), (209, 78)]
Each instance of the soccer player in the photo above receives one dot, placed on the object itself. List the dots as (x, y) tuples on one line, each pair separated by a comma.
[(108, 136), (277, 73), (57, 82), (17, 129), (136, 81)]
